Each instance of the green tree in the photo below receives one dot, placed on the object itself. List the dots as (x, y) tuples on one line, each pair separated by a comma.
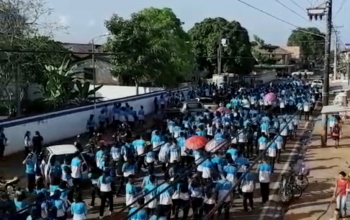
[(311, 42), (20, 22), (64, 86), (236, 56), (151, 46)]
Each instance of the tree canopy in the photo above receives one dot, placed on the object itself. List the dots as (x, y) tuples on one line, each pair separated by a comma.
[(236, 56), (311, 42), (151, 46)]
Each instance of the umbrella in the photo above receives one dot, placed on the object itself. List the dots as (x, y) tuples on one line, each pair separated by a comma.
[(270, 97), (223, 110), (214, 145), (196, 142)]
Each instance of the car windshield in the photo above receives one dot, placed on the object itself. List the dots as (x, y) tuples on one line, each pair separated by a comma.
[(61, 158), (194, 105), (317, 81), (206, 100)]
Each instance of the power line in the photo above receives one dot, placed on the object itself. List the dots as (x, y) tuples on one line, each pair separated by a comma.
[(277, 18), (296, 4), (340, 8), (291, 10)]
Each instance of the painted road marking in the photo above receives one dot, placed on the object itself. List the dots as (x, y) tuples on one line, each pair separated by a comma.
[(284, 169)]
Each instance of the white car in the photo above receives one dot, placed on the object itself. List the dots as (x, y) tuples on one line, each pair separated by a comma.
[(317, 83), (59, 153), (302, 72)]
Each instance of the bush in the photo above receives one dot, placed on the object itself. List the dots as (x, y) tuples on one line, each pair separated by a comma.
[(38, 106)]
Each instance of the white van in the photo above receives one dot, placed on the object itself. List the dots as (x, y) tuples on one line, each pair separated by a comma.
[(59, 153)]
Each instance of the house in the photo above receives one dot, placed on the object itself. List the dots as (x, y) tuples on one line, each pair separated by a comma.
[(294, 50), (274, 58), (282, 56), (83, 62)]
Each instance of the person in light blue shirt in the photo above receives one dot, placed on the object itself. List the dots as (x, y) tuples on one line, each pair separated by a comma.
[(141, 116), (76, 167), (223, 188), (140, 146), (164, 155), (59, 205), (138, 214), (230, 171), (264, 171), (272, 153), (100, 158), (78, 208), (247, 187), (174, 151), (104, 183), (264, 128), (102, 121), (196, 193), (129, 167), (171, 125), (219, 161), (242, 164), (208, 169), (54, 185), (262, 144), (165, 192), (30, 166), (233, 152), (176, 130), (219, 136)]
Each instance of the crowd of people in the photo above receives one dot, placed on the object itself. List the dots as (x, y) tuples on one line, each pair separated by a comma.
[(177, 178)]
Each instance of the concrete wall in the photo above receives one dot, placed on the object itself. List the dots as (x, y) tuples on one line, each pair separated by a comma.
[(60, 125), (109, 92)]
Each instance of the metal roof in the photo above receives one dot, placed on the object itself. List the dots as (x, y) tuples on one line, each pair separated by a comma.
[(329, 109)]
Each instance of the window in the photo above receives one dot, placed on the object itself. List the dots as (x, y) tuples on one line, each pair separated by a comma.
[(89, 73), (206, 100), (194, 105)]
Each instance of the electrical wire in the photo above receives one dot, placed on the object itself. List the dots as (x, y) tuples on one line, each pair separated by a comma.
[(181, 177), (291, 10), (296, 4), (340, 8), (222, 201), (279, 19)]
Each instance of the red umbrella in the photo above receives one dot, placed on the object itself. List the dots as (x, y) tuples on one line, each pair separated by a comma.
[(196, 142), (224, 110)]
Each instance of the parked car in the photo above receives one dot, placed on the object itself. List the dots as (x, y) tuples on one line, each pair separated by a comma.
[(58, 153), (317, 83), (208, 103), (191, 107), (303, 72)]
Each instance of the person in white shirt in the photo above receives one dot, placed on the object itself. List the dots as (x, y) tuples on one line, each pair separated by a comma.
[(27, 143), (306, 108), (264, 170), (282, 105)]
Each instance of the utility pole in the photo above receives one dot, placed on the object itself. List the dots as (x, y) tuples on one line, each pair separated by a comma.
[(336, 51), (219, 57), (335, 54), (318, 13)]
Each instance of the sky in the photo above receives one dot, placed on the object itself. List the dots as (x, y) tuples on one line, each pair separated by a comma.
[(85, 18)]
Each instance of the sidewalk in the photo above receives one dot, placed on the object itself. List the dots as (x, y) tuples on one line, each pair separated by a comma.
[(325, 164)]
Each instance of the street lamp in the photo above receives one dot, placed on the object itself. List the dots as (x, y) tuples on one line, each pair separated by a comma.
[(223, 43), (92, 42)]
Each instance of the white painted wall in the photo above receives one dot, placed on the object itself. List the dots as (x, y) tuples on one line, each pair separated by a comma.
[(67, 123), (109, 92)]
